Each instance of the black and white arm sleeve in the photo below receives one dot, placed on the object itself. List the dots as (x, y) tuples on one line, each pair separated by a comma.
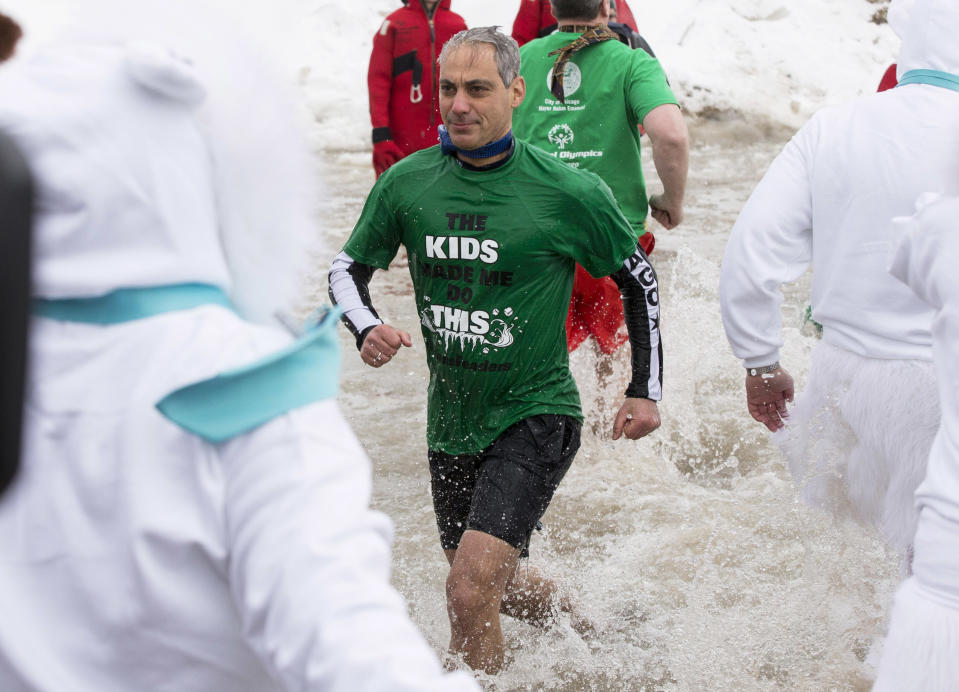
[(640, 291), (349, 288)]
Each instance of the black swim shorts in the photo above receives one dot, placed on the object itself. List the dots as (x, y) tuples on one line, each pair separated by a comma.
[(506, 488)]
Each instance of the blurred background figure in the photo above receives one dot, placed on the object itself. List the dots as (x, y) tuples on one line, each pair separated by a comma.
[(10, 34), (192, 510), (402, 79), (535, 19), (921, 651), (860, 433), (15, 210)]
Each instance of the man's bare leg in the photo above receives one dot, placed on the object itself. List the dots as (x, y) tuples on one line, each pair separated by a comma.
[(479, 571), (534, 598)]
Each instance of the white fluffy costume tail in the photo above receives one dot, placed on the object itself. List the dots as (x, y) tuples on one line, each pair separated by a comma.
[(859, 436)]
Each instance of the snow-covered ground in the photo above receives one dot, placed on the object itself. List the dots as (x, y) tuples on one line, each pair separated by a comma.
[(768, 60)]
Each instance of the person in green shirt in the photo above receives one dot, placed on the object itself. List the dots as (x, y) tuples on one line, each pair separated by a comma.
[(588, 116), (493, 229), (607, 91)]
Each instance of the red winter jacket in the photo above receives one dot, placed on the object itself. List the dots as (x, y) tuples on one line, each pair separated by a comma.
[(404, 100), (535, 19)]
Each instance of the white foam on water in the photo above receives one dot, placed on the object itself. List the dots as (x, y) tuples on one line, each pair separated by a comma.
[(689, 549)]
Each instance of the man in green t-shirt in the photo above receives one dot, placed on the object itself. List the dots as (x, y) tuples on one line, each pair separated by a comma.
[(493, 229), (589, 117)]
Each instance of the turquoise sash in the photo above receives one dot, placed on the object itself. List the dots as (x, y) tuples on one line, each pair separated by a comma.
[(932, 77), (128, 304), (235, 401), (239, 400)]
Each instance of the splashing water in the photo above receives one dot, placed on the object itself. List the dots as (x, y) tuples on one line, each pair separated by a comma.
[(689, 550)]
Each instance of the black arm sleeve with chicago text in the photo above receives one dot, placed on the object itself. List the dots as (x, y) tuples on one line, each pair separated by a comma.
[(638, 286), (349, 288)]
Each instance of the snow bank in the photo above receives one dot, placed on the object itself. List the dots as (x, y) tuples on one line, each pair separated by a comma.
[(757, 59), (768, 58), (754, 59)]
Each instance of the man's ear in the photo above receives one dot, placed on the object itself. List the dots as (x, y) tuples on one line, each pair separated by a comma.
[(517, 91), (604, 11)]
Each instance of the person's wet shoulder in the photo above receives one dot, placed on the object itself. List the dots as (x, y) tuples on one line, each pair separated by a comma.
[(420, 170)]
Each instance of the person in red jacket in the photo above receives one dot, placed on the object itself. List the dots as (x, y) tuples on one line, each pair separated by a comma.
[(535, 19), (402, 78)]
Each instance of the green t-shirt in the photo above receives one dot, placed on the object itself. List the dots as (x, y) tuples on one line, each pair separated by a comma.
[(492, 256), (609, 90)]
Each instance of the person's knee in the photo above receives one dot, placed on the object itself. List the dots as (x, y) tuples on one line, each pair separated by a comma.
[(467, 597)]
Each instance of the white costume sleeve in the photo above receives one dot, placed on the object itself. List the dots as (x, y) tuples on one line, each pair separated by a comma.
[(921, 258), (925, 259), (920, 649), (770, 244), (310, 562)]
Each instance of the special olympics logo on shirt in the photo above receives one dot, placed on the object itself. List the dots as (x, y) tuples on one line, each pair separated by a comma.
[(572, 78), (561, 135)]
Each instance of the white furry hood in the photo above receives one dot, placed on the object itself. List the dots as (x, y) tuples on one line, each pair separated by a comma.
[(166, 151), (929, 30)]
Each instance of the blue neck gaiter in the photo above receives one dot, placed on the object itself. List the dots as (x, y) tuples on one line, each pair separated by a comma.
[(484, 152)]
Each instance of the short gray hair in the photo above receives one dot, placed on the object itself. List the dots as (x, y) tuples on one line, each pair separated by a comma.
[(576, 9), (505, 49)]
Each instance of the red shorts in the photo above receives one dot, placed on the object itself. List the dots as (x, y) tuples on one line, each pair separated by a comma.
[(596, 308)]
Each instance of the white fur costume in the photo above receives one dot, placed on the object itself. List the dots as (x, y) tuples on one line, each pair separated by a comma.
[(827, 200), (859, 435), (921, 652), (133, 554)]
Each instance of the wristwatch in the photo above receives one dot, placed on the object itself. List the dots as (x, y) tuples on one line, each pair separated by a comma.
[(764, 370)]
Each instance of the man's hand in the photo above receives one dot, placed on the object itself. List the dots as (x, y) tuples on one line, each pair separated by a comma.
[(667, 213), (766, 397), (636, 418), (382, 343)]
